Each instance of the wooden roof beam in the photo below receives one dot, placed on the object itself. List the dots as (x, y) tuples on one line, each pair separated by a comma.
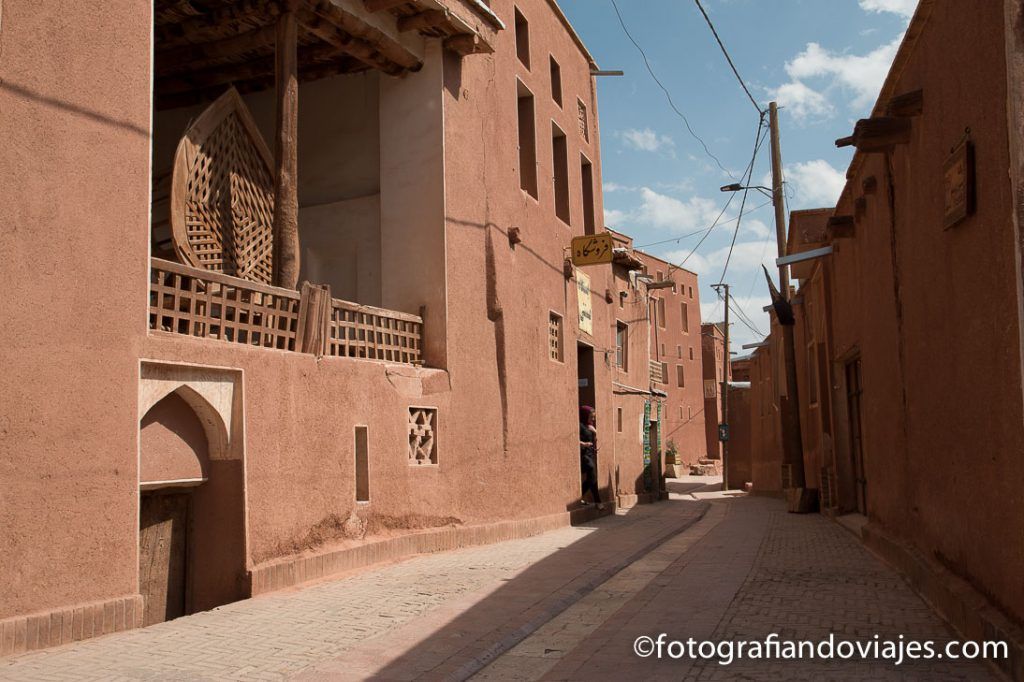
[(370, 30), (431, 18), (208, 27), (360, 49), (907, 104), (467, 44), (842, 226), (879, 134), (381, 5), (189, 57)]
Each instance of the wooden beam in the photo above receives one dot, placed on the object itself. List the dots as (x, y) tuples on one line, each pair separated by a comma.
[(189, 57), (467, 44), (907, 104), (431, 18), (248, 13), (878, 134), (386, 45), (841, 226), (360, 49), (233, 73), (380, 5), (286, 137)]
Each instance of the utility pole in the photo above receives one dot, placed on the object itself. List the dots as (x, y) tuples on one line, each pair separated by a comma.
[(726, 364), (789, 405)]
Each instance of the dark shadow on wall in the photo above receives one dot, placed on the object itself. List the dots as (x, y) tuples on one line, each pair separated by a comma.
[(76, 109)]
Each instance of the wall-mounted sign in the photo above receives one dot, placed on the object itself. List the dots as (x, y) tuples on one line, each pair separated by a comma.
[(958, 181), (723, 432), (710, 388), (592, 249), (583, 299)]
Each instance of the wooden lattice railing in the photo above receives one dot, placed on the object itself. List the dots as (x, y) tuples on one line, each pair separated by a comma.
[(193, 302), (658, 371)]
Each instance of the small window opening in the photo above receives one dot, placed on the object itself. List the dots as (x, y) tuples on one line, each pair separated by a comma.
[(556, 82), (362, 465), (560, 166), (522, 38), (527, 142)]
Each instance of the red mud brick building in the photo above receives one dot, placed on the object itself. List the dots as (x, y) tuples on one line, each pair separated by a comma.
[(285, 281), (909, 332), (676, 352)]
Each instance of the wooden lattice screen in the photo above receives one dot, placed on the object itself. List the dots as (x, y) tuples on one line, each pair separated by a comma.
[(222, 193)]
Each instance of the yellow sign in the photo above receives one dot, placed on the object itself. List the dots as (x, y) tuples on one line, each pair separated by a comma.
[(592, 249), (583, 299)]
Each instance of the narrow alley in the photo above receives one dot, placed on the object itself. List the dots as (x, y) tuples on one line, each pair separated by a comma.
[(567, 604)]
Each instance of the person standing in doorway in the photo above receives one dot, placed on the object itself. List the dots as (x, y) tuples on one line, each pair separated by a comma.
[(588, 455)]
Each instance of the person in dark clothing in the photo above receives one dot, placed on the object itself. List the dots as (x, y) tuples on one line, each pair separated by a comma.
[(588, 454)]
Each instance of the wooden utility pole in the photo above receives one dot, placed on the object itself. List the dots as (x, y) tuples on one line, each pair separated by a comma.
[(726, 366), (286, 178), (789, 404)]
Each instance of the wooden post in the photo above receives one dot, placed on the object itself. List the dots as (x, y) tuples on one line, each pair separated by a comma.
[(286, 189), (789, 406)]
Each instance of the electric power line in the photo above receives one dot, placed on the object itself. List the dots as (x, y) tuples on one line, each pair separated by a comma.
[(728, 58), (758, 141), (696, 232), (668, 95)]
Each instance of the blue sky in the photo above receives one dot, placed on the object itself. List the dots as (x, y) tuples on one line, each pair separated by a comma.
[(822, 60)]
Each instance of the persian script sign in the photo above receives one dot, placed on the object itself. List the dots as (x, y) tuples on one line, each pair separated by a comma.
[(958, 180), (592, 249), (583, 299)]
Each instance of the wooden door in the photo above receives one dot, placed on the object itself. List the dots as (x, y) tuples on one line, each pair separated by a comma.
[(163, 549), (853, 393)]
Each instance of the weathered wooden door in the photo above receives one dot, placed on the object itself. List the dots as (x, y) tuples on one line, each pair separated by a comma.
[(163, 560), (853, 394)]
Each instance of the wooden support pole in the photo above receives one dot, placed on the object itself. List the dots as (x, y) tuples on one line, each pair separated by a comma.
[(789, 405), (286, 189)]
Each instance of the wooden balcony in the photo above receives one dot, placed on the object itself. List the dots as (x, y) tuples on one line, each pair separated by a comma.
[(658, 372), (205, 304)]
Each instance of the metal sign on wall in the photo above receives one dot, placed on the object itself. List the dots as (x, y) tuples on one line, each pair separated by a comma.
[(583, 299), (592, 249)]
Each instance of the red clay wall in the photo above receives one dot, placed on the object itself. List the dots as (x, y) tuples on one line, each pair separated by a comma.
[(74, 92), (933, 314)]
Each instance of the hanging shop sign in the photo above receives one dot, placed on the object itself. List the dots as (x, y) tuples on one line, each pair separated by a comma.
[(592, 249)]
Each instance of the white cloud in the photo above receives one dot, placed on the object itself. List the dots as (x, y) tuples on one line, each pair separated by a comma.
[(859, 75), (614, 218), (647, 140), (802, 102), (815, 183), (616, 187), (665, 212), (755, 227), (904, 8)]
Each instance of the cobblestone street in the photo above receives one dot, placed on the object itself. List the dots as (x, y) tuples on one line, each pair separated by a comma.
[(567, 604)]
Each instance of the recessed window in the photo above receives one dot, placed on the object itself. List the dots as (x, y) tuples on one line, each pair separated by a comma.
[(622, 346), (618, 419), (560, 166), (555, 337), (556, 82), (583, 121), (691, 292), (662, 350), (684, 313), (679, 352), (659, 275), (680, 412), (527, 142), (587, 180), (522, 38), (691, 352), (661, 312), (680, 377), (362, 465)]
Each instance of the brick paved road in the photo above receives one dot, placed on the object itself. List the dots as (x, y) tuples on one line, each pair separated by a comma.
[(279, 635), (564, 605)]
